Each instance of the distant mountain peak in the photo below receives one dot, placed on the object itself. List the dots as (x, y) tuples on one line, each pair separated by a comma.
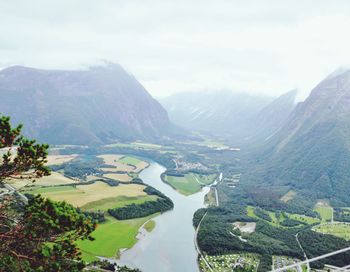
[(81, 106)]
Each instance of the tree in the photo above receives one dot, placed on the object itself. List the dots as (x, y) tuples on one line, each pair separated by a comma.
[(39, 234)]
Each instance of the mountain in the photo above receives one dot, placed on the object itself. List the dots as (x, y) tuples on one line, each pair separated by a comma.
[(240, 117), (271, 118), (222, 112), (310, 154), (97, 105)]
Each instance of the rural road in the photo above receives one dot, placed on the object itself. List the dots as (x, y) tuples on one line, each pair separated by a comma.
[(305, 256), (197, 247), (313, 259)]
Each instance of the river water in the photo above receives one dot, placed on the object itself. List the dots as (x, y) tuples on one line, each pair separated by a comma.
[(170, 246)]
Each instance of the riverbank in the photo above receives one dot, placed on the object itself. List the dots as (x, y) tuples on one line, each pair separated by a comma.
[(170, 246)]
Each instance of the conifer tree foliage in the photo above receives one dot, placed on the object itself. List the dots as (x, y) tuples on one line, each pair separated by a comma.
[(39, 234)]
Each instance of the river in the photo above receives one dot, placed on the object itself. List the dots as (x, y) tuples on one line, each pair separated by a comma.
[(170, 246)]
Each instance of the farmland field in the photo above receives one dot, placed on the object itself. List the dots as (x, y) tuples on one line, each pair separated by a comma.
[(341, 230), (59, 159), (117, 202), (52, 180), (81, 195), (186, 185), (123, 163), (118, 177), (190, 183), (110, 237), (324, 210), (130, 160), (205, 179)]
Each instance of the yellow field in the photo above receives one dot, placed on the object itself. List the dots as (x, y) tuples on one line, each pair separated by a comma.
[(140, 166), (59, 159), (52, 180), (110, 159), (118, 177), (115, 160), (83, 194)]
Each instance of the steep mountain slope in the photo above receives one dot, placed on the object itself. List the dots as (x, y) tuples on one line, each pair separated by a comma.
[(240, 117), (311, 153), (221, 112), (81, 107), (272, 117)]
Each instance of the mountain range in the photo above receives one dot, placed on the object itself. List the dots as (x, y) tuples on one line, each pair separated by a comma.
[(241, 117), (97, 105), (310, 154)]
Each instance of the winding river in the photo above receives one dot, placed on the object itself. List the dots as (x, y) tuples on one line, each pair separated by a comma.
[(170, 246)]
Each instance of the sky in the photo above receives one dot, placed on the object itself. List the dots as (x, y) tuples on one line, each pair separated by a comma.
[(264, 47)]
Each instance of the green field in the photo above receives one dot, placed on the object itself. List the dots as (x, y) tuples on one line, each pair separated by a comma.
[(117, 202), (277, 221), (186, 185), (341, 230), (303, 218), (190, 183), (325, 212), (205, 179), (130, 160), (110, 237)]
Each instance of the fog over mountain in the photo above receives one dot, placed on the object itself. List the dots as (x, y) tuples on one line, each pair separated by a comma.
[(238, 116), (81, 107)]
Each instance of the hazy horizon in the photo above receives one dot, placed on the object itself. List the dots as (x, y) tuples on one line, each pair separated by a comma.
[(265, 48)]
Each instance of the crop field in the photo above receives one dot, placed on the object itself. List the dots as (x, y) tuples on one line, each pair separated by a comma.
[(116, 202), (130, 160), (186, 185), (324, 210), (59, 159), (118, 177), (205, 179), (52, 180), (110, 237), (190, 183), (110, 159), (123, 163), (230, 262), (81, 195), (341, 230)]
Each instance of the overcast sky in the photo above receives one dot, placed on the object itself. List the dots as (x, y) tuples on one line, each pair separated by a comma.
[(263, 46)]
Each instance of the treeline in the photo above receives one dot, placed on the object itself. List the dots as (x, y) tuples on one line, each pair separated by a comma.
[(316, 244), (342, 214), (81, 166), (142, 210), (98, 216), (262, 214), (162, 204)]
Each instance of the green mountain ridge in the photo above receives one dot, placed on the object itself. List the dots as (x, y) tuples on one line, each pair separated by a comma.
[(310, 153)]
